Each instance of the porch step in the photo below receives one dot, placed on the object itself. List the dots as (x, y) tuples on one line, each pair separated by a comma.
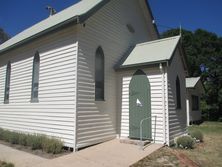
[(135, 142)]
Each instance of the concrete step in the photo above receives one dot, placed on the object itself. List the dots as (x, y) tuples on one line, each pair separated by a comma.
[(135, 142)]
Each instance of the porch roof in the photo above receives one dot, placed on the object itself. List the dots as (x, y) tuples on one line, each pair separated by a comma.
[(191, 82), (152, 52)]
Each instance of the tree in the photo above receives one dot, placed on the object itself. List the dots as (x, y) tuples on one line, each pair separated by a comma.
[(3, 36), (204, 53)]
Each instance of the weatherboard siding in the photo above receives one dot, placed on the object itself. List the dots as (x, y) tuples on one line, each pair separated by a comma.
[(177, 117), (157, 109), (97, 120), (54, 114), (194, 115)]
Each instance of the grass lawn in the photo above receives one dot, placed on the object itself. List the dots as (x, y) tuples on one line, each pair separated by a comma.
[(4, 164), (206, 154)]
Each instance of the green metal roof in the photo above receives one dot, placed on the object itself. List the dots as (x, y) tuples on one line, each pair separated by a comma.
[(76, 13), (191, 82), (151, 52)]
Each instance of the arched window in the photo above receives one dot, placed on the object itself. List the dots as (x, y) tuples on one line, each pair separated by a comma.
[(178, 95), (35, 78), (99, 75), (7, 83)]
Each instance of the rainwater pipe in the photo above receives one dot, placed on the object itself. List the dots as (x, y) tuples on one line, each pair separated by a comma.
[(163, 100)]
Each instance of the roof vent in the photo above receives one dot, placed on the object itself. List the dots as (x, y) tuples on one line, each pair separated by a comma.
[(51, 10)]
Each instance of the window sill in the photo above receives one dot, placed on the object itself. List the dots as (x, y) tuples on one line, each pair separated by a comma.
[(34, 101), (100, 100)]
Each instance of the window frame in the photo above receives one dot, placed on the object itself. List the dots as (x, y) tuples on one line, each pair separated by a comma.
[(99, 84), (195, 103), (178, 93), (35, 78), (7, 83)]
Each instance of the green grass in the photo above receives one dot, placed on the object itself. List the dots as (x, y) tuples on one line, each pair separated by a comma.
[(208, 153), (208, 128), (5, 164), (205, 154)]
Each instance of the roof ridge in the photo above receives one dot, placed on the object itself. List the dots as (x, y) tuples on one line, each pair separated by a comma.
[(76, 13), (158, 40)]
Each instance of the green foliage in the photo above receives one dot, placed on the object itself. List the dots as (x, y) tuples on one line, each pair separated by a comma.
[(4, 164), (6, 135), (35, 142), (185, 142), (14, 138), (1, 133), (197, 135), (22, 139), (204, 48), (52, 146)]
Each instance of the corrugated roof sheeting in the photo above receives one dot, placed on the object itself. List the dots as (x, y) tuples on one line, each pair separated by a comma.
[(191, 82), (151, 52), (71, 13)]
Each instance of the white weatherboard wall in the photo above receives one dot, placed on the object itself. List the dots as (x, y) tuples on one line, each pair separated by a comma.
[(177, 117), (155, 78), (194, 115), (54, 114), (96, 120)]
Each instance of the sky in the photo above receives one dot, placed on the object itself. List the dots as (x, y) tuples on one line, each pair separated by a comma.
[(17, 15), (190, 14)]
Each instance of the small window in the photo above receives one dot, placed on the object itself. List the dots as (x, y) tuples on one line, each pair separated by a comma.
[(7, 83), (35, 78), (178, 95), (195, 103), (99, 75)]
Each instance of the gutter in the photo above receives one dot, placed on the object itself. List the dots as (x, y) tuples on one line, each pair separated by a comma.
[(147, 64)]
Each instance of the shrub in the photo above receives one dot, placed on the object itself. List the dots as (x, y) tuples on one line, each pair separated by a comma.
[(52, 146), (197, 135), (35, 141), (1, 134), (185, 142), (4, 164), (220, 119), (22, 139), (14, 138), (48, 145), (6, 135)]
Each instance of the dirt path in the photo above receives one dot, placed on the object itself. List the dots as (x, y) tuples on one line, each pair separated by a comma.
[(184, 160)]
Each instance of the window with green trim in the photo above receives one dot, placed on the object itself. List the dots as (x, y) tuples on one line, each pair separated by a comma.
[(35, 78), (7, 83)]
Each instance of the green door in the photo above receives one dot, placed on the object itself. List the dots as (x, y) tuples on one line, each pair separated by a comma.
[(139, 106)]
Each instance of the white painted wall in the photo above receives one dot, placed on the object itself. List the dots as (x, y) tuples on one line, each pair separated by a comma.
[(55, 112), (177, 117), (54, 115), (194, 115), (155, 78), (107, 28), (188, 111)]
